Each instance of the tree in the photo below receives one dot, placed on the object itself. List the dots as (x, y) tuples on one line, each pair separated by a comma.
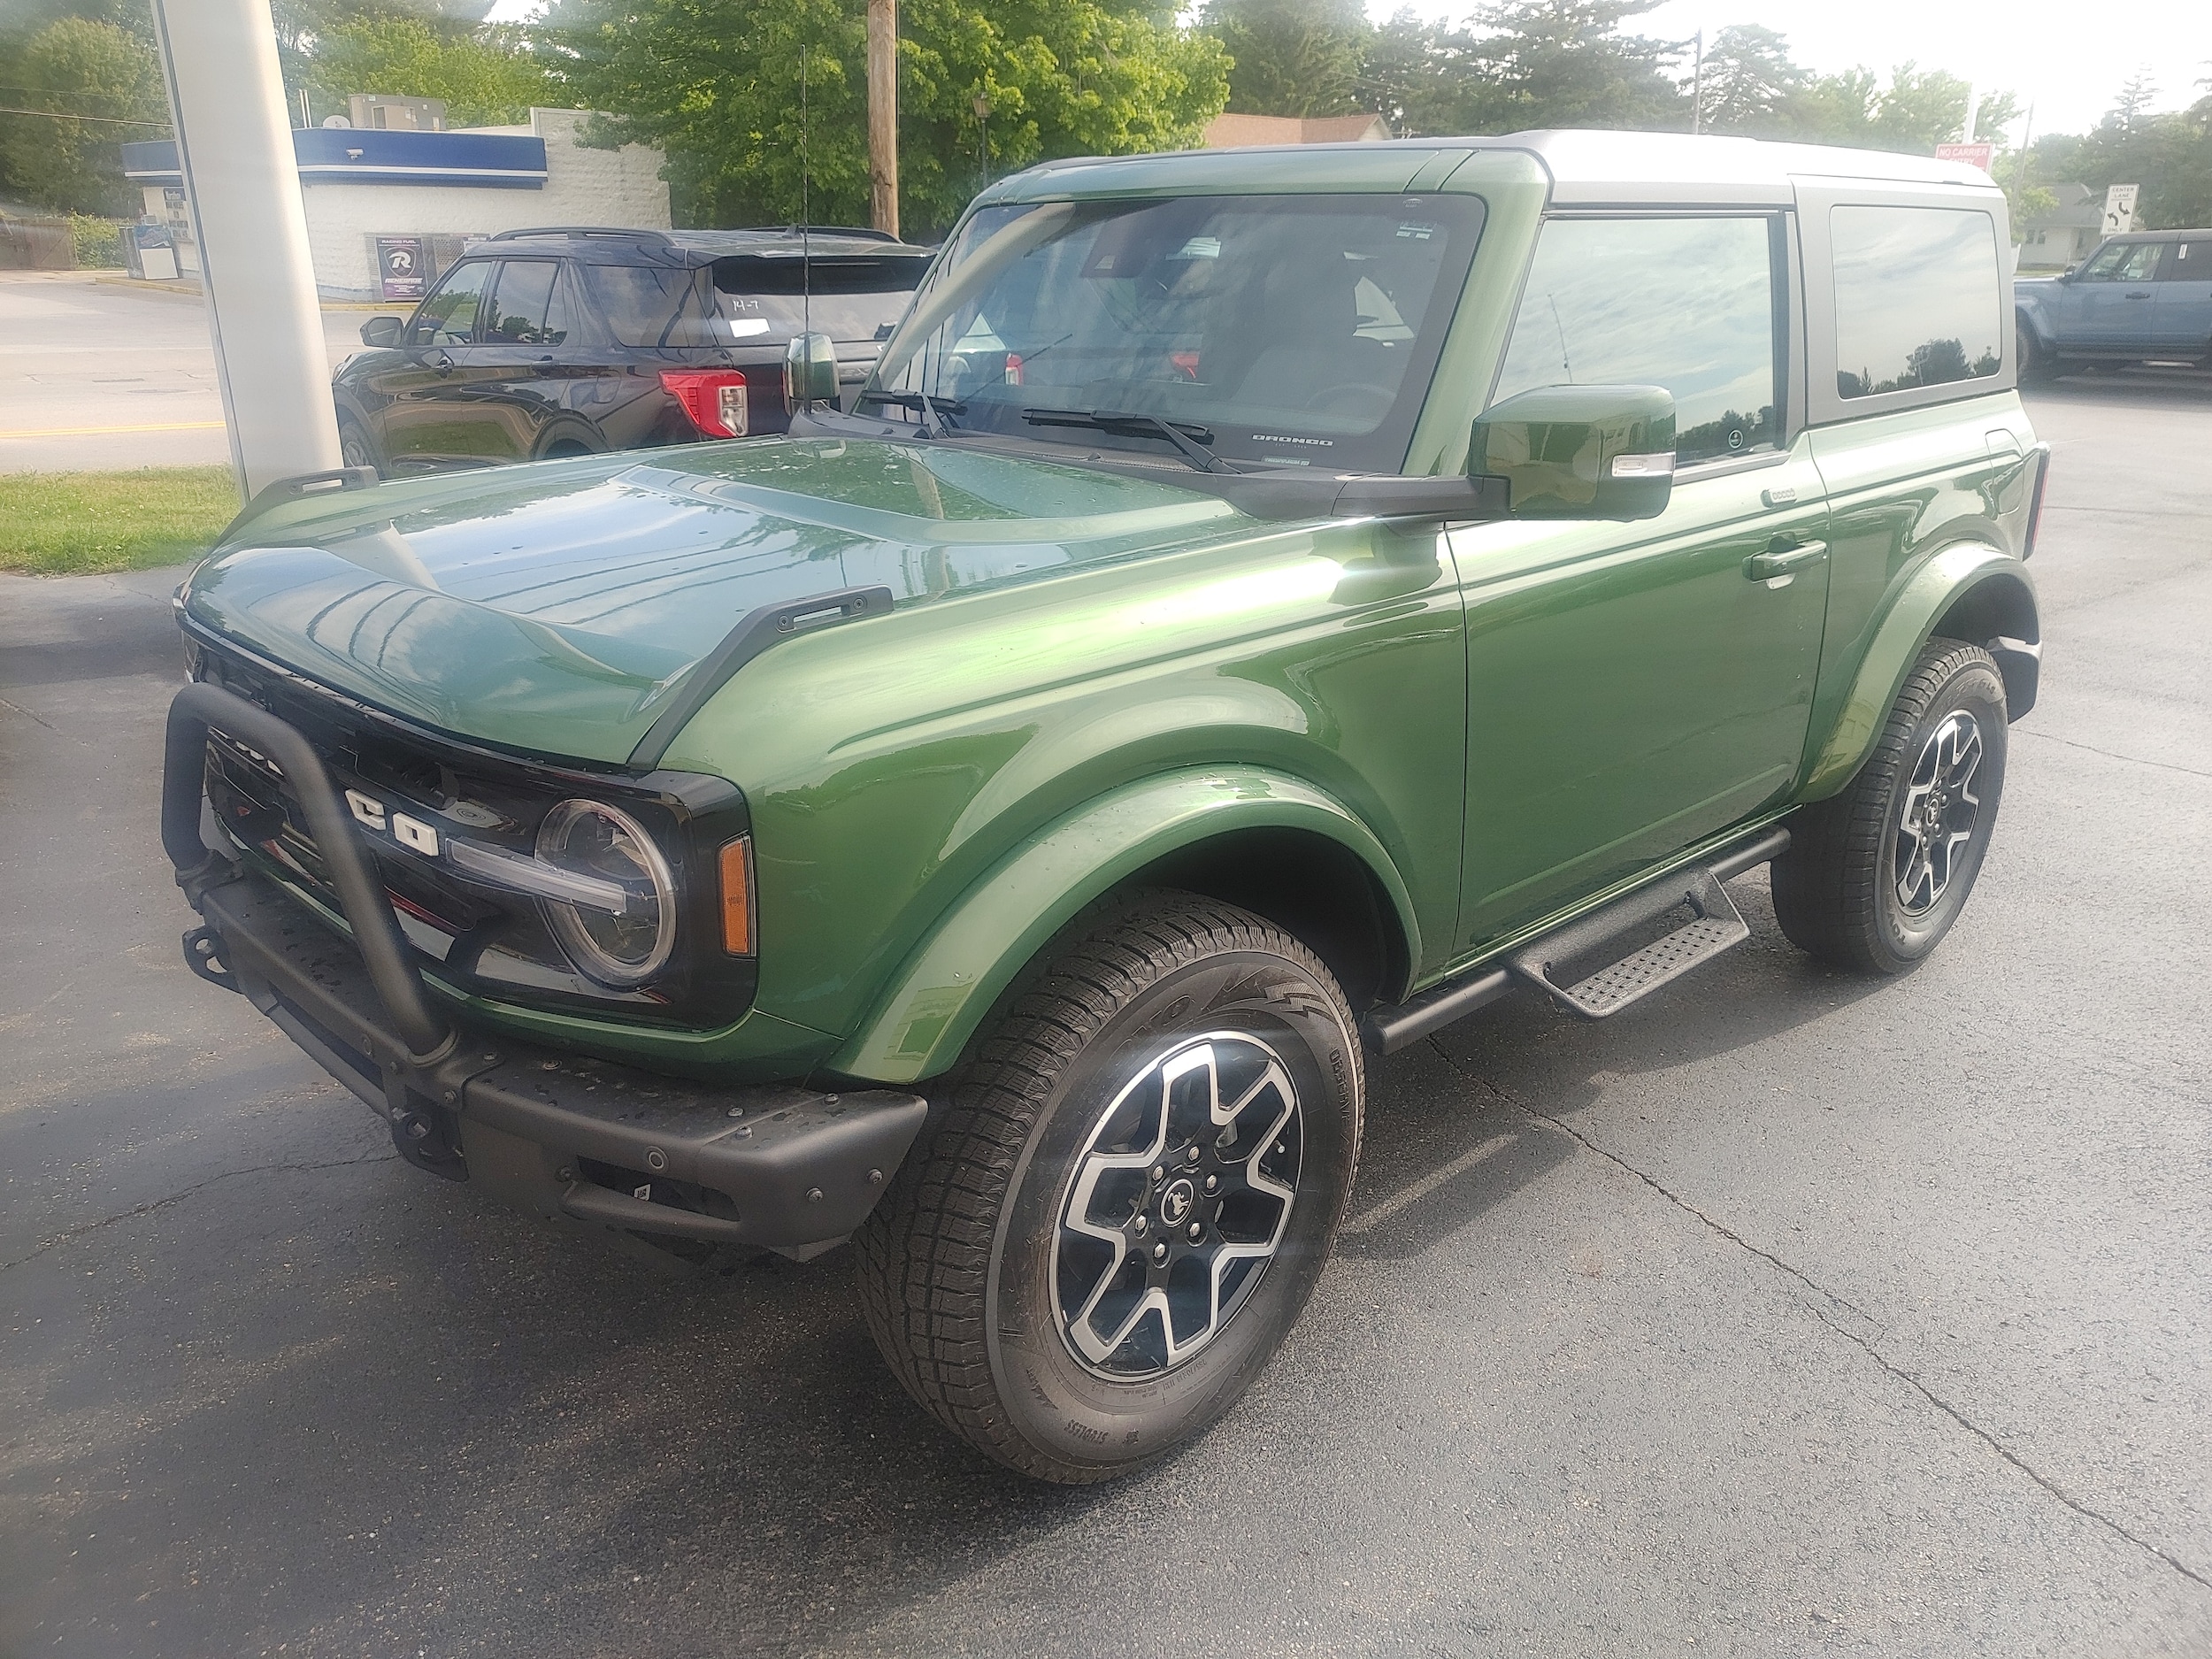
[(487, 75), (1523, 63), (1748, 81), (99, 79), (717, 83), (1291, 56), (2168, 154), (1566, 62)]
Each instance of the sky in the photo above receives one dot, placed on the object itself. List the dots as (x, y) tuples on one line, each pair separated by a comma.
[(2066, 57)]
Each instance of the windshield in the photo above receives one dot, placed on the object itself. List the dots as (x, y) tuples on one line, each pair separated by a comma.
[(1285, 330)]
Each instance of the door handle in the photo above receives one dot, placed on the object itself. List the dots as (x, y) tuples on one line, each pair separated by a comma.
[(1786, 561), (2139, 294)]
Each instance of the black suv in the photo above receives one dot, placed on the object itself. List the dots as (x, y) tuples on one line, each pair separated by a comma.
[(573, 340)]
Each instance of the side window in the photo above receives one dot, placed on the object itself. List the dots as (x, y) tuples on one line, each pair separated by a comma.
[(1918, 301), (2124, 262), (650, 305), (526, 309), (2187, 261), (448, 317), (1686, 303)]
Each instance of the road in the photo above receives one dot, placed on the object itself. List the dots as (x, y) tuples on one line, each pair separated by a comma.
[(1786, 1313), (98, 374)]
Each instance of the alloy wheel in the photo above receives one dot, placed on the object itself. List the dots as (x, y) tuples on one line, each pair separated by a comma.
[(1178, 1201), (1936, 822)]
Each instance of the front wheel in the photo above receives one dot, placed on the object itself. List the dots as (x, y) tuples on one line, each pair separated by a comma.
[(1132, 1190), (2034, 364), (1875, 876)]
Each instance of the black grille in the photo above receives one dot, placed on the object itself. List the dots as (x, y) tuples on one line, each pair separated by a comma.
[(475, 936)]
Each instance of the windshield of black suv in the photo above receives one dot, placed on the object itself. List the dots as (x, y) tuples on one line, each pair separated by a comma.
[(1275, 330)]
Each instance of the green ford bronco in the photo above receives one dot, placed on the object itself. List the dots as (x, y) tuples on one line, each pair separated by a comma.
[(1264, 606)]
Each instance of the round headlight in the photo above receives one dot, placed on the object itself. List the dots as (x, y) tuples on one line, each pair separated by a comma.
[(616, 947)]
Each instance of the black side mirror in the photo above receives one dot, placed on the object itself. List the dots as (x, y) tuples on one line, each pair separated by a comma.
[(382, 331), (1580, 451)]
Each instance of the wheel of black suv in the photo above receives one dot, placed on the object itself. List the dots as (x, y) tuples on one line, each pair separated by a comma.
[(1875, 876), (353, 444), (1133, 1188)]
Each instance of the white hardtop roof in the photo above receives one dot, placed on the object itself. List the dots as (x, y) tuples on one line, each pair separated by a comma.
[(1596, 162)]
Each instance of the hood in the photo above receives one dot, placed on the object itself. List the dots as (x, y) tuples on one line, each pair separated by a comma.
[(555, 608)]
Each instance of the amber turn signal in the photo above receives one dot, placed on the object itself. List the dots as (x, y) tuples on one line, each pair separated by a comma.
[(737, 896)]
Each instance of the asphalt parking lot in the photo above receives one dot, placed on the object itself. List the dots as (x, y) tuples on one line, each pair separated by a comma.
[(1786, 1313), (107, 373)]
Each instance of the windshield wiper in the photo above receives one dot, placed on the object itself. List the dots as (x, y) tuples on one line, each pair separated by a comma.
[(921, 406), (1135, 426)]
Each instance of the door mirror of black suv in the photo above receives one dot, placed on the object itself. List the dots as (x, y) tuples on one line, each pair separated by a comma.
[(1580, 452), (810, 372), (382, 331)]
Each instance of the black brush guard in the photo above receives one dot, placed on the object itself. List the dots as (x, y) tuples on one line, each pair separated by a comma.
[(769, 1165)]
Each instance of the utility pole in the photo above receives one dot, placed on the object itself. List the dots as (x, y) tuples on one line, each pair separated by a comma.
[(1973, 112), (1697, 88), (241, 182), (883, 114)]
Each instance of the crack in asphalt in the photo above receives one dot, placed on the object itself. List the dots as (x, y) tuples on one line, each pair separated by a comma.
[(1858, 1339), (2133, 760), (66, 1236)]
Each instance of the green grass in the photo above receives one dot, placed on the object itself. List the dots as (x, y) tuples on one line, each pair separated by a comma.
[(80, 524)]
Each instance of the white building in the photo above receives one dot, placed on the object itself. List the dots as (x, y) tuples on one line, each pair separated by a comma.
[(389, 209)]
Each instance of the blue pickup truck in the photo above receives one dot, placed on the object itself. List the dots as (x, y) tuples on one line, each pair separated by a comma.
[(2138, 298)]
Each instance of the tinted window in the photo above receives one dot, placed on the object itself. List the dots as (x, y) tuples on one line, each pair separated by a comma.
[(1686, 303), (2188, 262), (525, 308), (767, 297), (448, 317), (1917, 299), (649, 305), (1291, 330), (2123, 262)]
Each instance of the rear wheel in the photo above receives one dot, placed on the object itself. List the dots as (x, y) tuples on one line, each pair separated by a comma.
[(1129, 1195), (1875, 876)]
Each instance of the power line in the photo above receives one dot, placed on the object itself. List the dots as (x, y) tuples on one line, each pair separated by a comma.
[(108, 120)]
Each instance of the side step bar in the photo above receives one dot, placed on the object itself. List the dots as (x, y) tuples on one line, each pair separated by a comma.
[(1715, 927)]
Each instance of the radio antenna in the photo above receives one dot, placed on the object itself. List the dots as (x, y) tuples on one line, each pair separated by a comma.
[(806, 211)]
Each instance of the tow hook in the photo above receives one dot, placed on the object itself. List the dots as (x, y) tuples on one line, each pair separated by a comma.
[(204, 955)]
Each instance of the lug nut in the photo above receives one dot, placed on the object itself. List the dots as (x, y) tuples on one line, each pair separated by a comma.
[(1158, 1175), (1191, 1152), (1213, 1183), (814, 1194), (1139, 1227), (1196, 1231), (1159, 1251)]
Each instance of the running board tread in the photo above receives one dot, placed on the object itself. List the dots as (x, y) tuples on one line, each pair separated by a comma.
[(1717, 926)]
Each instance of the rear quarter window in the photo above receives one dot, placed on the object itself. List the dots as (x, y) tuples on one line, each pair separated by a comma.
[(1919, 301), (649, 305)]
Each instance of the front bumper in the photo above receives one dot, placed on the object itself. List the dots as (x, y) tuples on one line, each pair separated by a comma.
[(768, 1165)]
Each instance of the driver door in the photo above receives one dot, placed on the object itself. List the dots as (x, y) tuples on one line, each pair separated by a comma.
[(428, 419), (2110, 303), (1636, 688)]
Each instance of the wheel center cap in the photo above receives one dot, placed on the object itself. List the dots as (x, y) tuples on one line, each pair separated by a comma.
[(1175, 1204)]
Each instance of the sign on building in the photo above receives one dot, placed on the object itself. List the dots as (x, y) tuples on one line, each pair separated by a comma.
[(2119, 208), (1972, 155), (402, 271)]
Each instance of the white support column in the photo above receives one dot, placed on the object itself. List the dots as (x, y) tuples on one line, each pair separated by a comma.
[(234, 147)]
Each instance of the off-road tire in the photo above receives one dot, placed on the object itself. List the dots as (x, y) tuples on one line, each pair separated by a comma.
[(956, 1264), (1836, 891), (2034, 365)]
